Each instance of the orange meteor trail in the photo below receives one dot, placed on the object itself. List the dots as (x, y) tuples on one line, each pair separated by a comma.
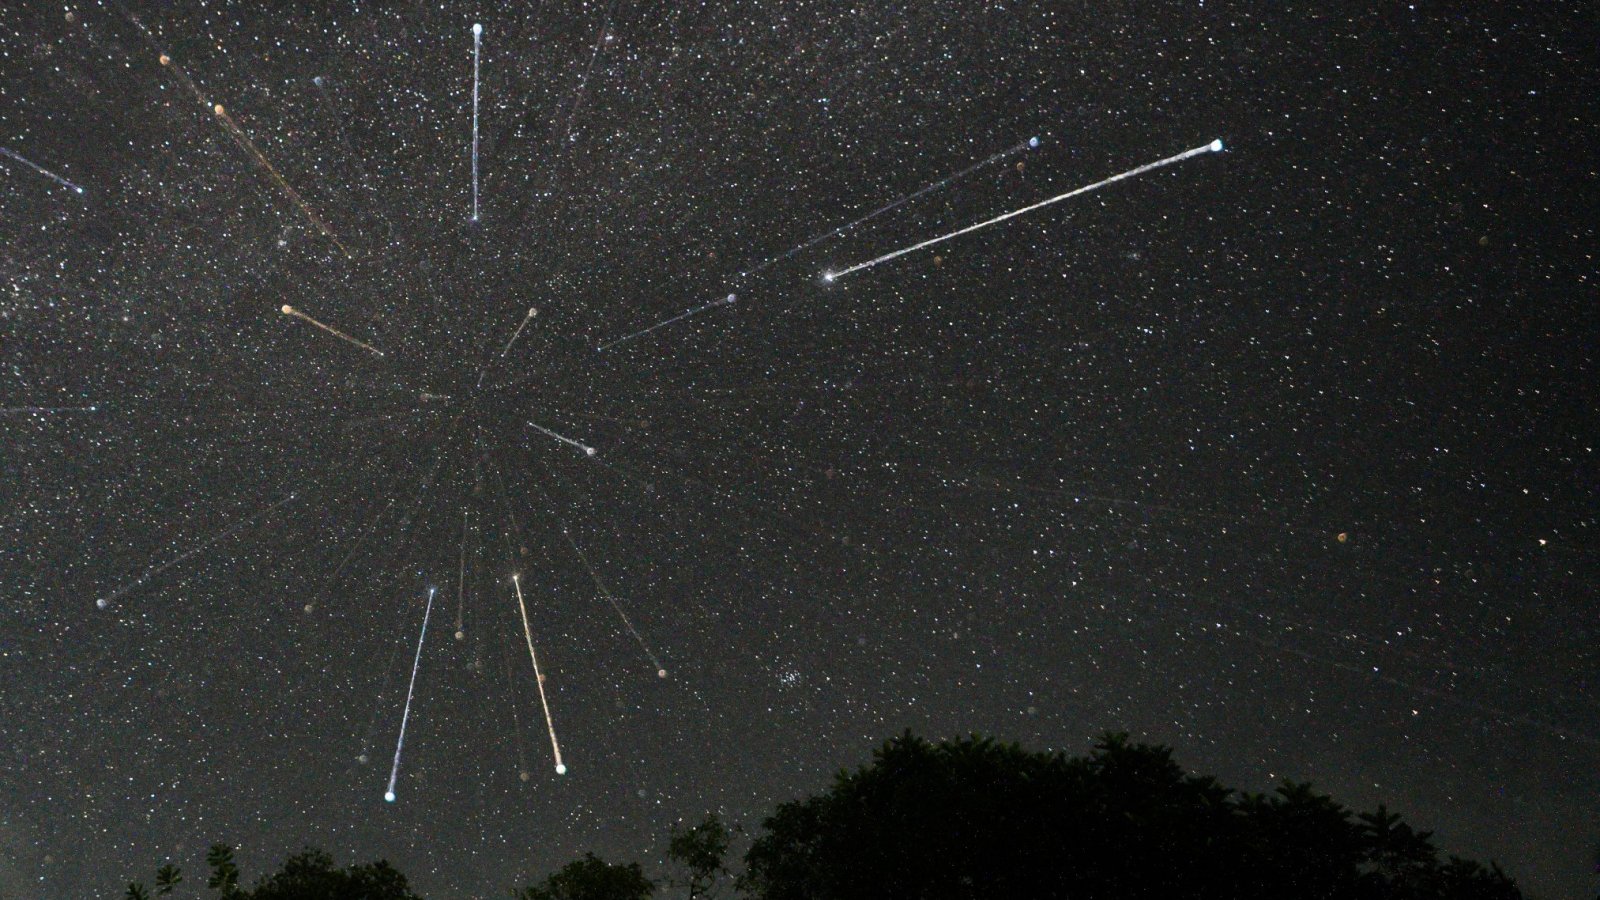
[(244, 142), (291, 311)]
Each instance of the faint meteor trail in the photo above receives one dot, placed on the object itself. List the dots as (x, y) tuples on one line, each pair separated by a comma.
[(726, 301), (587, 450), (1029, 144), (1213, 147), (121, 592), (42, 410), (291, 311), (532, 311), (12, 154), (538, 677), (477, 46), (394, 771)]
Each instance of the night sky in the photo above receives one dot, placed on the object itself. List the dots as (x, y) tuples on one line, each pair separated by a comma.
[(1283, 456)]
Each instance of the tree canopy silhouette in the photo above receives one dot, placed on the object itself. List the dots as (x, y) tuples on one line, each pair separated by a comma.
[(978, 819), (972, 818)]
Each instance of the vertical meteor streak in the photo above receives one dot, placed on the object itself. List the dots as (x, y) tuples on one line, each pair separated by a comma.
[(461, 579), (11, 154), (538, 677), (1213, 147), (477, 45), (121, 592), (394, 771), (291, 311)]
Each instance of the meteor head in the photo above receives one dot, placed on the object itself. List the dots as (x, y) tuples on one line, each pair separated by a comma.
[(317, 80), (1033, 143), (533, 311), (477, 28), (732, 298), (589, 451), (288, 310), (661, 673), (1216, 146), (101, 603), (78, 189), (828, 277), (165, 59), (461, 635), (388, 796), (219, 110), (561, 768)]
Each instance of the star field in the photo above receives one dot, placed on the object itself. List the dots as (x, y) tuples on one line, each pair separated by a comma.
[(1284, 456)]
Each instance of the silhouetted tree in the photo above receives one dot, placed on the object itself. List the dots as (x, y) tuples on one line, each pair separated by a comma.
[(974, 818), (591, 878), (700, 849), (311, 875)]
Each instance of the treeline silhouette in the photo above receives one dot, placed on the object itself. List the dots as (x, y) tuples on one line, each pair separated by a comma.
[(973, 818)]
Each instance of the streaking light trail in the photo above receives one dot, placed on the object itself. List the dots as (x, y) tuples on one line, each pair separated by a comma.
[(1029, 144), (291, 311), (587, 450), (44, 410), (532, 311), (121, 592), (12, 154), (538, 677), (238, 135), (477, 46), (725, 301), (1213, 147), (394, 771)]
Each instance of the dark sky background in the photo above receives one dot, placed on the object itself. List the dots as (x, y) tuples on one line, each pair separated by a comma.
[(1084, 470)]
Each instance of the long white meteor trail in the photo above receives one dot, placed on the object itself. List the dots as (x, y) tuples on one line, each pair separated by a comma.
[(394, 771), (587, 450), (477, 46), (1213, 147), (121, 592), (538, 677), (12, 154)]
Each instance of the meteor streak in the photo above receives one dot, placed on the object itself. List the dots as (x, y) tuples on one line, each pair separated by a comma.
[(726, 301), (477, 45), (121, 592), (43, 410), (1029, 144), (239, 137), (291, 311), (587, 450), (532, 311), (12, 154), (394, 771), (538, 677), (1213, 147)]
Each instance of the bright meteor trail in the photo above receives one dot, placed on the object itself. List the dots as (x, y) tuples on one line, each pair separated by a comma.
[(477, 46), (1213, 147), (587, 450), (291, 311), (538, 677), (394, 771), (12, 154)]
